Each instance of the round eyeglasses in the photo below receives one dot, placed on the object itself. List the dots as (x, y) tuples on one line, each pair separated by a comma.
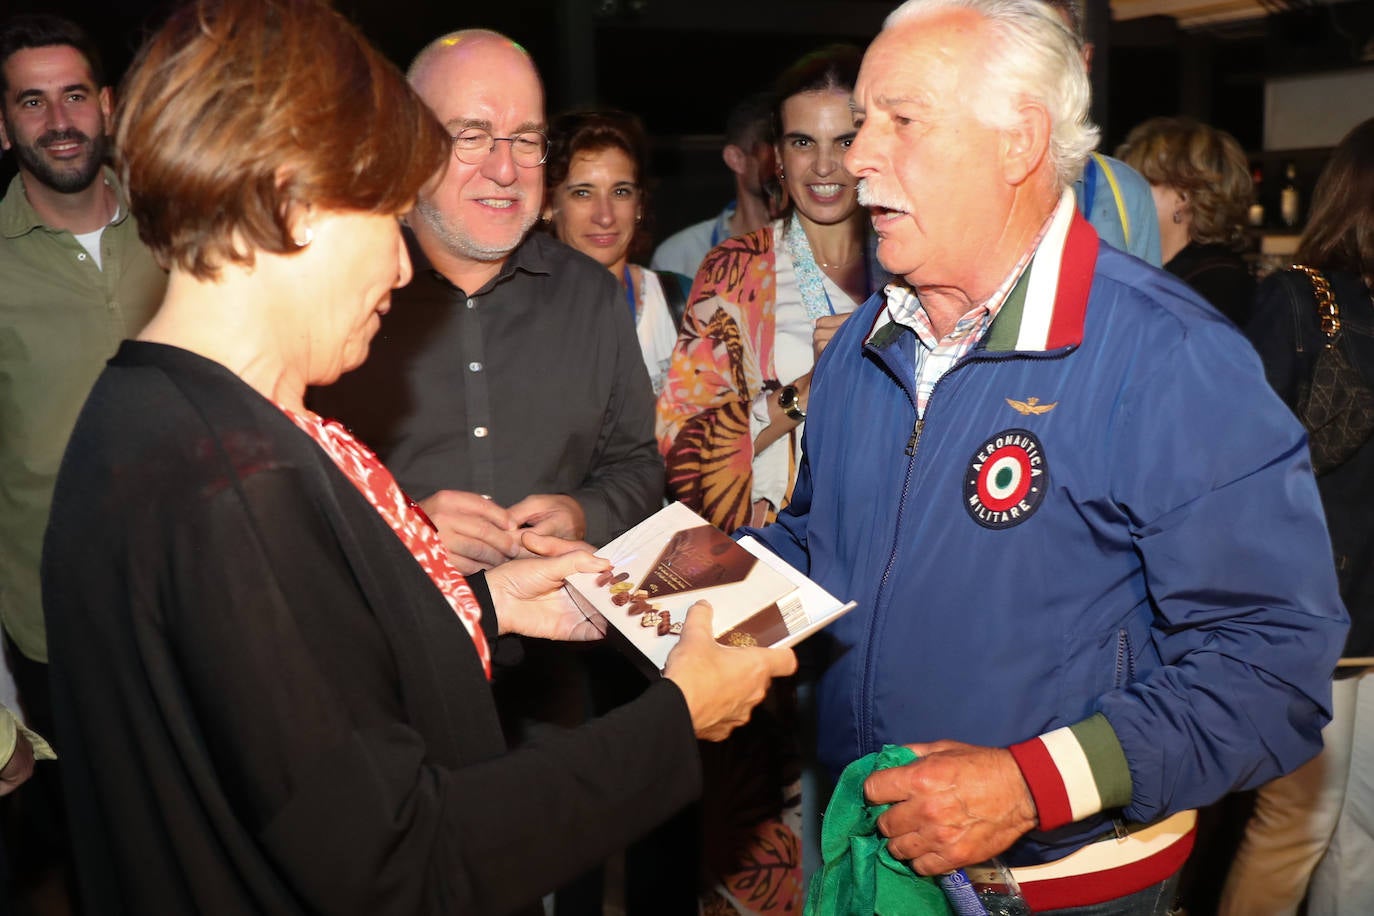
[(528, 149)]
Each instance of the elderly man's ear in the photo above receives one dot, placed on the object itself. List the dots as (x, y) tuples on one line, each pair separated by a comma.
[(1025, 144)]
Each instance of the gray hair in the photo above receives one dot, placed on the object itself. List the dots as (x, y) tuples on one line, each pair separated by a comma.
[(1035, 57)]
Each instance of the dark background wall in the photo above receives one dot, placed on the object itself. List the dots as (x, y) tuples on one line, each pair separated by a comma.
[(680, 64)]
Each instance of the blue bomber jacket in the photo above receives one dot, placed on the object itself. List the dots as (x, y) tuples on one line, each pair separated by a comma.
[(1102, 547)]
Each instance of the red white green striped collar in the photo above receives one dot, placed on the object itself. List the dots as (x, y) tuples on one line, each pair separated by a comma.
[(1046, 306), (1045, 310)]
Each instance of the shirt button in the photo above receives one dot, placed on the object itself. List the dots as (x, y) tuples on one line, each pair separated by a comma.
[(480, 432), (475, 367), (81, 256), (472, 303)]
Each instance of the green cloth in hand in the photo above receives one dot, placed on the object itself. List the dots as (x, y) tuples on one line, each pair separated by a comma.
[(858, 876)]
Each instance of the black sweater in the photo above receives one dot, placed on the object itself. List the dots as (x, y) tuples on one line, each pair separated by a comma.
[(1219, 275), (264, 705)]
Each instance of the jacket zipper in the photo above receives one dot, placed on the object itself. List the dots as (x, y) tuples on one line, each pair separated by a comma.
[(867, 745), (866, 742), (915, 439), (866, 682)]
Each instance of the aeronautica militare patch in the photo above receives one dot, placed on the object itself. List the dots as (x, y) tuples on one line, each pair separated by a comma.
[(1006, 479)]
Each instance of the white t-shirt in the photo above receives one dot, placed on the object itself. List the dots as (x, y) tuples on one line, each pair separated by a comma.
[(91, 242), (656, 331)]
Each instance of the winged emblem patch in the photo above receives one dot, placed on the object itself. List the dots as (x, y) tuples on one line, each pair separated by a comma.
[(1031, 406)]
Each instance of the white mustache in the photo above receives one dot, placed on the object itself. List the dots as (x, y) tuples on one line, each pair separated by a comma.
[(868, 197)]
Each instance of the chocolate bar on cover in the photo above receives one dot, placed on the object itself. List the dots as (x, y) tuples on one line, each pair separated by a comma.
[(701, 557), (766, 628)]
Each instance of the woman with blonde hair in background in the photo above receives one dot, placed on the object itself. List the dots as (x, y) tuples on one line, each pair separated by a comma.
[(1201, 184)]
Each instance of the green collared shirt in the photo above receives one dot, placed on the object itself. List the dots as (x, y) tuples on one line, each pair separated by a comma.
[(61, 318)]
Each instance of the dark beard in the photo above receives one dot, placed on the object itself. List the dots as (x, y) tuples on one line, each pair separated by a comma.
[(70, 177)]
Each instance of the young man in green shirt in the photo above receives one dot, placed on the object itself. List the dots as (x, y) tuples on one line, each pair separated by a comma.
[(74, 281)]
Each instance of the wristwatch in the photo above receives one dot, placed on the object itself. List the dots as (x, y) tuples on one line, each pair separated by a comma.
[(790, 402)]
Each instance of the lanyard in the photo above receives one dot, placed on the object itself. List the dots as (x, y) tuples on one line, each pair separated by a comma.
[(630, 294), (810, 281)]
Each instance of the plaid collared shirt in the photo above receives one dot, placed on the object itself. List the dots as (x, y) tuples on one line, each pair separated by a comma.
[(935, 356)]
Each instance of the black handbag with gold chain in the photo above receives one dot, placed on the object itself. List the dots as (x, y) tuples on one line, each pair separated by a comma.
[(1336, 404)]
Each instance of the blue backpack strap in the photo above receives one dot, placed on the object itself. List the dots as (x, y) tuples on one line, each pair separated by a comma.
[(1085, 203), (1121, 213)]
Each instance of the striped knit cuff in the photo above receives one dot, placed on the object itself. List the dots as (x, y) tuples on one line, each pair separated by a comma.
[(1075, 772)]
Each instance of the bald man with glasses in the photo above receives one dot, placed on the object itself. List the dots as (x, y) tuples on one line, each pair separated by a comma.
[(506, 389)]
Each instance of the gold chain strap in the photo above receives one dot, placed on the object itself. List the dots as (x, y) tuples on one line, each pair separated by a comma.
[(1327, 312)]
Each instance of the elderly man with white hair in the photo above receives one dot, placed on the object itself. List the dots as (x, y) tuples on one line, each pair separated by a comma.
[(1094, 587)]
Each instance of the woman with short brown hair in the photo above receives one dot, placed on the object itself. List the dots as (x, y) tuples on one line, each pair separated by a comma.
[(271, 687)]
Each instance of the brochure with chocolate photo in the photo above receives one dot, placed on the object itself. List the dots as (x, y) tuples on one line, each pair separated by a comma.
[(672, 560)]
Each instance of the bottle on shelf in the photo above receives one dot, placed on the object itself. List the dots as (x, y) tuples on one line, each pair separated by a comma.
[(1256, 213), (1289, 200)]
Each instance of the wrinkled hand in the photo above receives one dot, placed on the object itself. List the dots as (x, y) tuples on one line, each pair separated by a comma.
[(826, 326), (551, 513), (529, 595), (958, 805), (20, 766), (477, 532), (722, 684)]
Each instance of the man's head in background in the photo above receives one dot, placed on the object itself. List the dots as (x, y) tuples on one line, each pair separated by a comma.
[(54, 105)]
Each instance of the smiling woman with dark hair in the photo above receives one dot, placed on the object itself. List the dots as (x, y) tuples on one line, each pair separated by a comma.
[(764, 305), (596, 199), (271, 685)]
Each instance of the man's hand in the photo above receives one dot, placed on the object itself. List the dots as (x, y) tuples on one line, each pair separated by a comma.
[(534, 544), (478, 533), (551, 513), (20, 766), (529, 595), (957, 805), (722, 684), (826, 326)]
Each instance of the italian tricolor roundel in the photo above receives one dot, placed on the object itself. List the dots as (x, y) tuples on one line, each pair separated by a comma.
[(1006, 479)]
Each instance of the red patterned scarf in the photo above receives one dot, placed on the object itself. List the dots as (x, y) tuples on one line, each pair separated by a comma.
[(407, 519)]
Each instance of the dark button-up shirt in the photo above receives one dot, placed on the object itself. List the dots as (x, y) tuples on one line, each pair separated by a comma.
[(532, 384)]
